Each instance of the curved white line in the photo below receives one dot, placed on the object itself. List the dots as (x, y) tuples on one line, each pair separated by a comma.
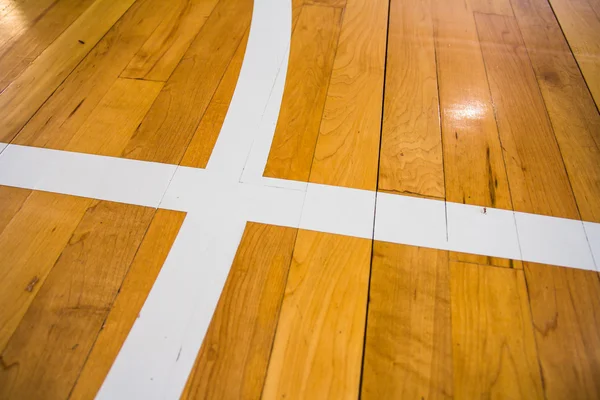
[(159, 353)]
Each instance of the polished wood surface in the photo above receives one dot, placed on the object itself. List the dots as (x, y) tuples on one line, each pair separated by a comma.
[(489, 103)]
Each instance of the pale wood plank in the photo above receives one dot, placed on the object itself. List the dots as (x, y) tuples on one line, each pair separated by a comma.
[(473, 165), (408, 348), (347, 148), (11, 201), (46, 353), (233, 360), (30, 90), (313, 47), (536, 172), (111, 124), (59, 119), (30, 245), (169, 125), (16, 55), (159, 56), (144, 269), (203, 142), (318, 345), (581, 26), (565, 305), (411, 141), (499, 7), (571, 109), (493, 341)]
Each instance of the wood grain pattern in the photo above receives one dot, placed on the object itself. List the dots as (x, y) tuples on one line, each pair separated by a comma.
[(319, 340), (30, 245), (411, 142), (408, 348), (59, 119), (485, 260), (330, 3), (159, 56), (347, 148), (11, 201), (30, 90), (313, 48), (498, 7), (565, 305), (16, 55), (111, 124), (536, 172), (234, 356), (203, 142), (17, 17), (473, 165), (144, 269), (581, 26), (571, 109), (59, 328), (186, 95), (493, 342)]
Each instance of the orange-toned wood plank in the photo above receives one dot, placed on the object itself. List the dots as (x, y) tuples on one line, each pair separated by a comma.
[(565, 305), (319, 340), (536, 172), (572, 111), (112, 123), (347, 150), (486, 260), (30, 245), (581, 26), (11, 201), (16, 55), (159, 56), (17, 16), (493, 341), (408, 348), (411, 139), (30, 90), (59, 119), (473, 165), (313, 47), (499, 7), (146, 265), (169, 125), (233, 360), (330, 3), (47, 351), (200, 148)]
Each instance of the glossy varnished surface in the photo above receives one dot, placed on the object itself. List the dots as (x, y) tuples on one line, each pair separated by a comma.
[(455, 112)]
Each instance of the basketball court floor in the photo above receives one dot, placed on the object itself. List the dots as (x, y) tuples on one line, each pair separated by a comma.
[(299, 199)]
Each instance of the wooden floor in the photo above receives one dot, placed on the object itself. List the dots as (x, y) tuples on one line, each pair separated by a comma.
[(490, 103)]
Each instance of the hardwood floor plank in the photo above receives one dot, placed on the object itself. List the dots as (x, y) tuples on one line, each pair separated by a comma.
[(47, 351), (565, 305), (186, 95), (163, 50), (144, 269), (571, 109), (203, 142), (59, 119), (30, 245), (330, 3), (411, 141), (313, 47), (498, 7), (408, 348), (319, 339), (581, 26), (493, 341), (536, 172), (347, 148), (473, 165), (234, 356), (17, 16), (111, 124), (30, 90), (17, 55), (485, 260), (11, 201)]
